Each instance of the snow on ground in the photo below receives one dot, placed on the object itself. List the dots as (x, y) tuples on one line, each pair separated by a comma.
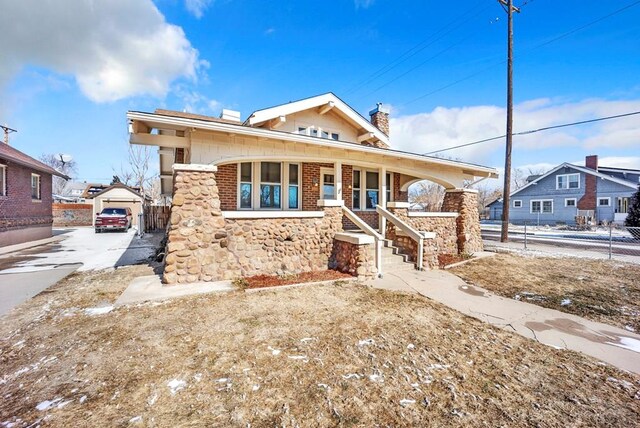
[(94, 251), (98, 311), (628, 343)]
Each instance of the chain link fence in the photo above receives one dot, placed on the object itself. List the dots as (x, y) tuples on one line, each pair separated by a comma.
[(611, 241)]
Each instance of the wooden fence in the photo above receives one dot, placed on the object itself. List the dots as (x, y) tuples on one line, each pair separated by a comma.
[(156, 218)]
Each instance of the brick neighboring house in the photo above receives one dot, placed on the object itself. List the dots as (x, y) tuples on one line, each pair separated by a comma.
[(302, 186), (25, 197)]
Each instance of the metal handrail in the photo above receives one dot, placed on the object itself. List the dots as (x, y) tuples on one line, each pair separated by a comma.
[(362, 225), (407, 229)]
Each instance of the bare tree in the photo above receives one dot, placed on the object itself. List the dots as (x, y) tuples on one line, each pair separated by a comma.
[(427, 194), (70, 169), (136, 173), (486, 195)]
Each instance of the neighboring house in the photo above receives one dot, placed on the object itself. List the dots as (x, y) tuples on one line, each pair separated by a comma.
[(73, 192), (302, 186), (566, 191), (25, 197), (117, 196)]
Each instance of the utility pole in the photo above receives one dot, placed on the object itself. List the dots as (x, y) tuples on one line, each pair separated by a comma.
[(7, 131), (506, 199)]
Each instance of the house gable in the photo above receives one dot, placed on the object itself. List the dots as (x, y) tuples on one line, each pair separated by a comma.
[(326, 113)]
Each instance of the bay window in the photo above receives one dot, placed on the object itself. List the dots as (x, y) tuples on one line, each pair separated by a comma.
[(269, 185)]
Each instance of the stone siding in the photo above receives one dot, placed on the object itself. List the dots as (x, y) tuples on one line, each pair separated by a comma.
[(204, 246), (465, 202), (72, 215), (354, 259)]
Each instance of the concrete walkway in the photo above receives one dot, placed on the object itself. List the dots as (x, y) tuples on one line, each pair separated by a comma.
[(610, 344)]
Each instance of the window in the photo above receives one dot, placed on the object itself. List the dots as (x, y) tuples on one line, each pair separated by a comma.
[(357, 188), (371, 190), (570, 202), (3, 180), (328, 181), (604, 202), (246, 180), (302, 130), (318, 132), (542, 206), (270, 185), (294, 185), (517, 203), (335, 136), (623, 205), (35, 187), (568, 181)]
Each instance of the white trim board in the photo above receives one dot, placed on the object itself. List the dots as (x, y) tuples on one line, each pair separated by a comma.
[(254, 214)]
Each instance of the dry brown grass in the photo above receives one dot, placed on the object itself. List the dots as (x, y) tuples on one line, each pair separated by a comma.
[(599, 290), (332, 339)]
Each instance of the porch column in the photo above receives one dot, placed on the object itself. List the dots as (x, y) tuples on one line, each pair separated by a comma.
[(382, 198), (337, 167), (465, 203)]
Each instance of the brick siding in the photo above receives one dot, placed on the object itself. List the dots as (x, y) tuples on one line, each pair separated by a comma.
[(228, 186), (17, 210)]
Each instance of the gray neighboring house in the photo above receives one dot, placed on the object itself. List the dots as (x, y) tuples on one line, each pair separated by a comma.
[(568, 190)]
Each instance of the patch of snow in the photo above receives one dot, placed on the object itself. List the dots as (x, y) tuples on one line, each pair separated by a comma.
[(135, 419), (98, 311), (298, 357), (627, 343), (255, 387), (22, 370), (8, 424), (307, 339), (46, 404), (274, 351), (64, 403), (565, 302), (18, 344), (83, 399), (438, 366), (223, 380), (366, 342), (406, 402), (176, 385), (152, 400), (323, 385), (411, 347), (629, 328), (351, 376), (517, 297), (197, 377), (376, 378)]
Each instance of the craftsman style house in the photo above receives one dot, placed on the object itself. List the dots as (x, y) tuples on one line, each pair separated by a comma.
[(25, 197), (569, 192), (302, 186)]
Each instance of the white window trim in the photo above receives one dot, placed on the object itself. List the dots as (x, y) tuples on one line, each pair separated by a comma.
[(329, 171), (308, 127), (390, 188), (608, 198), (541, 206), (575, 202), (3, 174), (363, 188), (255, 186), (519, 201), (567, 175), (39, 188)]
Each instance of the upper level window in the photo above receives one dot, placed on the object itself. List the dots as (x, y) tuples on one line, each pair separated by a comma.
[(517, 203), (3, 180), (270, 184), (318, 132), (35, 187), (568, 181)]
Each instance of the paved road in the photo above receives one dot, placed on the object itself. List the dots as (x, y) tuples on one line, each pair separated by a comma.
[(26, 273), (610, 344)]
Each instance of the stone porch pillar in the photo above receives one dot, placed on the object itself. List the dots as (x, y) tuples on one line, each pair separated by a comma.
[(465, 203)]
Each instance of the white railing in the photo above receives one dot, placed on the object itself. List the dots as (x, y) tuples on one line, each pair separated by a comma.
[(378, 238), (408, 230)]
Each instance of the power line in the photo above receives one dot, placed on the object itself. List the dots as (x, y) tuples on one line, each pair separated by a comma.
[(419, 47), (533, 131), (555, 39)]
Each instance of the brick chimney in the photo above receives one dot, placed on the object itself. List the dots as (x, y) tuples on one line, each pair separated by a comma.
[(380, 118), (588, 201)]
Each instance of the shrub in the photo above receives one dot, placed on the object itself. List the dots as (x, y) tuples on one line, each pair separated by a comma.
[(633, 215)]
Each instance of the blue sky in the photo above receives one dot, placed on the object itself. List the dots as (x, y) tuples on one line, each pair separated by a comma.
[(70, 74)]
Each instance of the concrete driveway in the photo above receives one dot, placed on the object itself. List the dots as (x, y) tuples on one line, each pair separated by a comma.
[(26, 273)]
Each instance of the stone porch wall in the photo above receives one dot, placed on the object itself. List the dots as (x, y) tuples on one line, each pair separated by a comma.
[(465, 202), (354, 259), (204, 246)]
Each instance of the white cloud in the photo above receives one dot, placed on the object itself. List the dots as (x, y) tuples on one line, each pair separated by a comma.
[(195, 102), (269, 31), (446, 127), (197, 7), (364, 4), (113, 48)]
